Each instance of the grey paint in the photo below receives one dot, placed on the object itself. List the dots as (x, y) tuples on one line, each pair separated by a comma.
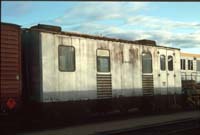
[(126, 69)]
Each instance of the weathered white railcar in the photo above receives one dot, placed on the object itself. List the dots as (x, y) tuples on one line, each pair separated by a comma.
[(65, 66), (190, 67)]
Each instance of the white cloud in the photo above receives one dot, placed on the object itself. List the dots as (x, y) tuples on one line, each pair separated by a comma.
[(163, 38), (119, 20), (160, 23), (125, 20), (95, 11)]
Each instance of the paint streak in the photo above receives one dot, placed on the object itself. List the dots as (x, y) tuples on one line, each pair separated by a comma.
[(133, 54)]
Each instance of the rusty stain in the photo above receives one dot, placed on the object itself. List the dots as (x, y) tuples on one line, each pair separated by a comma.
[(103, 45), (146, 49), (118, 52), (133, 54)]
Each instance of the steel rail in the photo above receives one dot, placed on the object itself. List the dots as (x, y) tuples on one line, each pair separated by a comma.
[(166, 128)]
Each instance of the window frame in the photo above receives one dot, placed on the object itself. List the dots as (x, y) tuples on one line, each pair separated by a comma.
[(197, 65), (73, 56), (190, 65), (109, 67), (164, 63), (183, 64), (169, 69), (151, 63)]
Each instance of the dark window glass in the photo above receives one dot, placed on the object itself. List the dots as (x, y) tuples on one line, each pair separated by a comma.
[(146, 63), (103, 64), (190, 64), (170, 63), (183, 64), (162, 62), (198, 65), (66, 58)]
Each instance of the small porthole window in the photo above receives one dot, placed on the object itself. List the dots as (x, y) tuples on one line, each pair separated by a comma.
[(66, 58)]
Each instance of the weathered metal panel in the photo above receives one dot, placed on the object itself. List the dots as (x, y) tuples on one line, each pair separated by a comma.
[(10, 68), (126, 68), (116, 58), (162, 74), (171, 74), (64, 86), (168, 81), (177, 72)]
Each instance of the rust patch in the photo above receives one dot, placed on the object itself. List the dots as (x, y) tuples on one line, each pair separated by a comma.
[(133, 55), (147, 49), (118, 53), (102, 45)]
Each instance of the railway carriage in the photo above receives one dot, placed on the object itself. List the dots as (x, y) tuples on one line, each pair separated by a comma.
[(72, 72), (190, 67), (66, 67), (190, 75)]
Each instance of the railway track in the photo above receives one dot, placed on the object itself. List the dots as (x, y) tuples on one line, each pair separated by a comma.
[(38, 124), (168, 124), (14, 125), (178, 127)]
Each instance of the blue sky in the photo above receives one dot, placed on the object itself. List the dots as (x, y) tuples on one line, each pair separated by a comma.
[(173, 24)]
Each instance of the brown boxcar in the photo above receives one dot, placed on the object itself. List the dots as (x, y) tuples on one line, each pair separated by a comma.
[(10, 92)]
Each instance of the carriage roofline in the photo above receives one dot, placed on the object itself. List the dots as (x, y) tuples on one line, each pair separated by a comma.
[(190, 55), (6, 23), (57, 30)]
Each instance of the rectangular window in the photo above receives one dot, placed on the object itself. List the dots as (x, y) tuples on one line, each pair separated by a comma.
[(190, 64), (103, 61), (183, 64), (198, 65), (162, 62), (146, 62), (66, 58), (170, 63)]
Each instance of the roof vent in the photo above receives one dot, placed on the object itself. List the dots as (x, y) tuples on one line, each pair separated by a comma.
[(47, 27)]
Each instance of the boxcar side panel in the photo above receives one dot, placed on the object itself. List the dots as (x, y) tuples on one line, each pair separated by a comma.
[(10, 92)]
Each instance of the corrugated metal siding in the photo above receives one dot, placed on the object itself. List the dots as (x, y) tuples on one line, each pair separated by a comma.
[(10, 61)]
